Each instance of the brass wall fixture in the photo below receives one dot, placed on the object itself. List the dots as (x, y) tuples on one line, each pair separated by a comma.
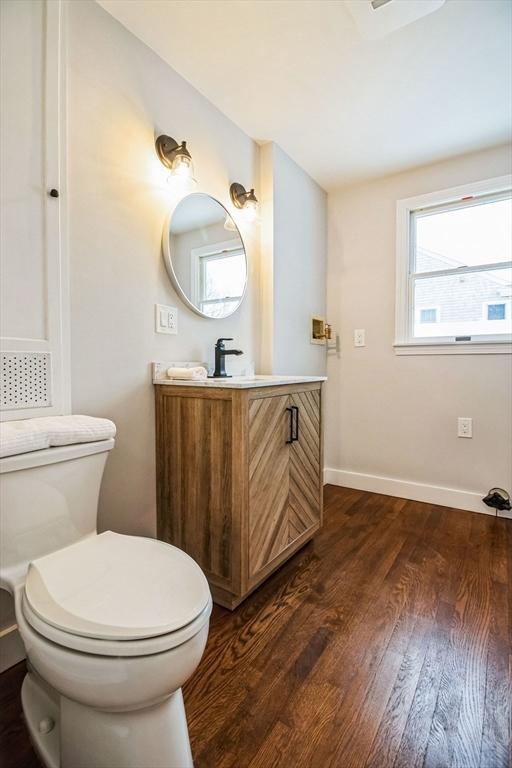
[(321, 331), (245, 201), (175, 156)]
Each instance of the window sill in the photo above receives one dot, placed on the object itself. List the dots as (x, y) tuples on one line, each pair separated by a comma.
[(455, 348)]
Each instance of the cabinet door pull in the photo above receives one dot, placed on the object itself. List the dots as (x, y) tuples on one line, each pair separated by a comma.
[(296, 434), (291, 438)]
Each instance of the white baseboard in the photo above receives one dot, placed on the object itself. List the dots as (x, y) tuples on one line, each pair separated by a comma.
[(392, 486)]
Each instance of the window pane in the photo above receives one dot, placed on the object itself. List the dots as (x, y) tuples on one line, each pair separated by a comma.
[(223, 276), (428, 315), (461, 237), (496, 312), (470, 304)]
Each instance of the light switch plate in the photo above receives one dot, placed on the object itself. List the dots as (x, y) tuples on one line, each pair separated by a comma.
[(166, 319)]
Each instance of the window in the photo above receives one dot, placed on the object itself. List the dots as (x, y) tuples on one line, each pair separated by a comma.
[(496, 311), (218, 278), (428, 315), (454, 270)]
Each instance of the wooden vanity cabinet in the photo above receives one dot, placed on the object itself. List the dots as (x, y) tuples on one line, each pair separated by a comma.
[(239, 478)]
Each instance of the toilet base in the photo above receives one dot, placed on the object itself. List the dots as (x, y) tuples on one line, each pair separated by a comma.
[(41, 704), (82, 737)]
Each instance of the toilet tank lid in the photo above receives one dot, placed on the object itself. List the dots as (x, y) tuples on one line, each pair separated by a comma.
[(26, 435)]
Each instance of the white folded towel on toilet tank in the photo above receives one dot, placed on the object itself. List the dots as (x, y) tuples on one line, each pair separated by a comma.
[(52, 431), (188, 374)]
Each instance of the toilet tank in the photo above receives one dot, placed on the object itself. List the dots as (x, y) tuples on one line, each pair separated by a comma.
[(48, 499)]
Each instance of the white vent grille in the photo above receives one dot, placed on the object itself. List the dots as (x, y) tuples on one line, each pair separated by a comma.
[(25, 380)]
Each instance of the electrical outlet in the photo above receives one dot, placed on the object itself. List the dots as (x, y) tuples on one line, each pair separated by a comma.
[(464, 427), (359, 338), (166, 319), (172, 320)]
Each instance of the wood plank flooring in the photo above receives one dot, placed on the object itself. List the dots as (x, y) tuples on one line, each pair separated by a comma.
[(385, 643)]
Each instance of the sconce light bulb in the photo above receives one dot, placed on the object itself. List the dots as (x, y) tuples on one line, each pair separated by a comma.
[(182, 166), (182, 172), (250, 210), (181, 169)]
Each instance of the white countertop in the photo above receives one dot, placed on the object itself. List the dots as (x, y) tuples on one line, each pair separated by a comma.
[(233, 382), (241, 382)]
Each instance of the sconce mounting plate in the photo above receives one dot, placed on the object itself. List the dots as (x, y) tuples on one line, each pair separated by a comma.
[(165, 147), (238, 194)]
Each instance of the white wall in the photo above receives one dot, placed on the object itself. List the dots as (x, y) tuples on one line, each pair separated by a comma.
[(294, 261), (392, 416), (121, 95)]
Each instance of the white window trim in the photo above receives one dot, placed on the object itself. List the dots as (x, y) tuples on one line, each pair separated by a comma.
[(404, 305)]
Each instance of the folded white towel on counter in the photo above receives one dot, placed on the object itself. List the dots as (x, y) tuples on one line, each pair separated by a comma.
[(188, 374), (51, 431)]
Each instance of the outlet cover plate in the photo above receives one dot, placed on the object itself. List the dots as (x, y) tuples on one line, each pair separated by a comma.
[(359, 338), (464, 426)]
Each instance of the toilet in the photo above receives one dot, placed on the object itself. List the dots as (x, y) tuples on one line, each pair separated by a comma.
[(113, 625)]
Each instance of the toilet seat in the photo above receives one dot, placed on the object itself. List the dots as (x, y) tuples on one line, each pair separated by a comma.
[(113, 594), (124, 648)]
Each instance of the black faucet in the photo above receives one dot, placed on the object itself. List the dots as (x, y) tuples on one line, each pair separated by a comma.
[(220, 354)]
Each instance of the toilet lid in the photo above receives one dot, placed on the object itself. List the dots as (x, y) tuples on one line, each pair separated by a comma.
[(113, 586)]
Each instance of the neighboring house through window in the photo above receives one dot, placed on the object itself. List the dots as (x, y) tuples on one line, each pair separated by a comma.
[(454, 270)]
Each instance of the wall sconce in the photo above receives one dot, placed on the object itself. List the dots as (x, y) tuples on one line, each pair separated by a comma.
[(245, 201), (176, 157)]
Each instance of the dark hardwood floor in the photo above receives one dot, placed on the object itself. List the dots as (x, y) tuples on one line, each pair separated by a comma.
[(386, 642)]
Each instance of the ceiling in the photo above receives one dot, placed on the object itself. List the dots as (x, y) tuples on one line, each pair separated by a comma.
[(344, 108)]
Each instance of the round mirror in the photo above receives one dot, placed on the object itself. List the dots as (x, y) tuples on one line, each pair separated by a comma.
[(205, 256)]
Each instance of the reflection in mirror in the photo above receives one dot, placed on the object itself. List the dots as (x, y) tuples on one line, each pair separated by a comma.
[(205, 256)]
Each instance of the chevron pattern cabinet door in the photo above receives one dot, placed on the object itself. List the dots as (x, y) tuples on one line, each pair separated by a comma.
[(284, 478), (269, 480), (305, 471)]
